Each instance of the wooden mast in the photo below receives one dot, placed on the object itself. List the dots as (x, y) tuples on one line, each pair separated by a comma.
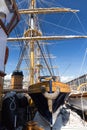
[(32, 45), (32, 32)]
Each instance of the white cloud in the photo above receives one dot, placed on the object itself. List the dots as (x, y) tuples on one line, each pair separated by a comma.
[(66, 78), (26, 78), (8, 76)]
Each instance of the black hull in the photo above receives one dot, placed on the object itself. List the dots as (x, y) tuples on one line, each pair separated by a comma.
[(42, 105)]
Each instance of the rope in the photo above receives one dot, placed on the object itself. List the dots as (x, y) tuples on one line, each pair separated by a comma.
[(80, 23), (12, 104), (44, 58), (68, 29), (84, 58), (49, 59), (51, 96)]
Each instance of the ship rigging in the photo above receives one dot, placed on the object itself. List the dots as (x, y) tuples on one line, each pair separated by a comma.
[(47, 92)]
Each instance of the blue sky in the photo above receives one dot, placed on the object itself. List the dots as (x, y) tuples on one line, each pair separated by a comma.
[(69, 53)]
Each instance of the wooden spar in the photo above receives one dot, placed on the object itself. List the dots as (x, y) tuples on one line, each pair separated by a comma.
[(46, 10), (39, 57), (45, 67), (47, 38)]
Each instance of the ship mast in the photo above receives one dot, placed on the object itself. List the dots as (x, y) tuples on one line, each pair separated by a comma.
[(32, 45), (32, 32)]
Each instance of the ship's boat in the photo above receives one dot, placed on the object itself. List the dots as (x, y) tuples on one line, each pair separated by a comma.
[(78, 99)]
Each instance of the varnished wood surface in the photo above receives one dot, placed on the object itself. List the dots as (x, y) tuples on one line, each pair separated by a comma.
[(36, 88)]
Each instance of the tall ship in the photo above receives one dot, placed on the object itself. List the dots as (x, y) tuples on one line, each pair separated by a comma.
[(42, 105)]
